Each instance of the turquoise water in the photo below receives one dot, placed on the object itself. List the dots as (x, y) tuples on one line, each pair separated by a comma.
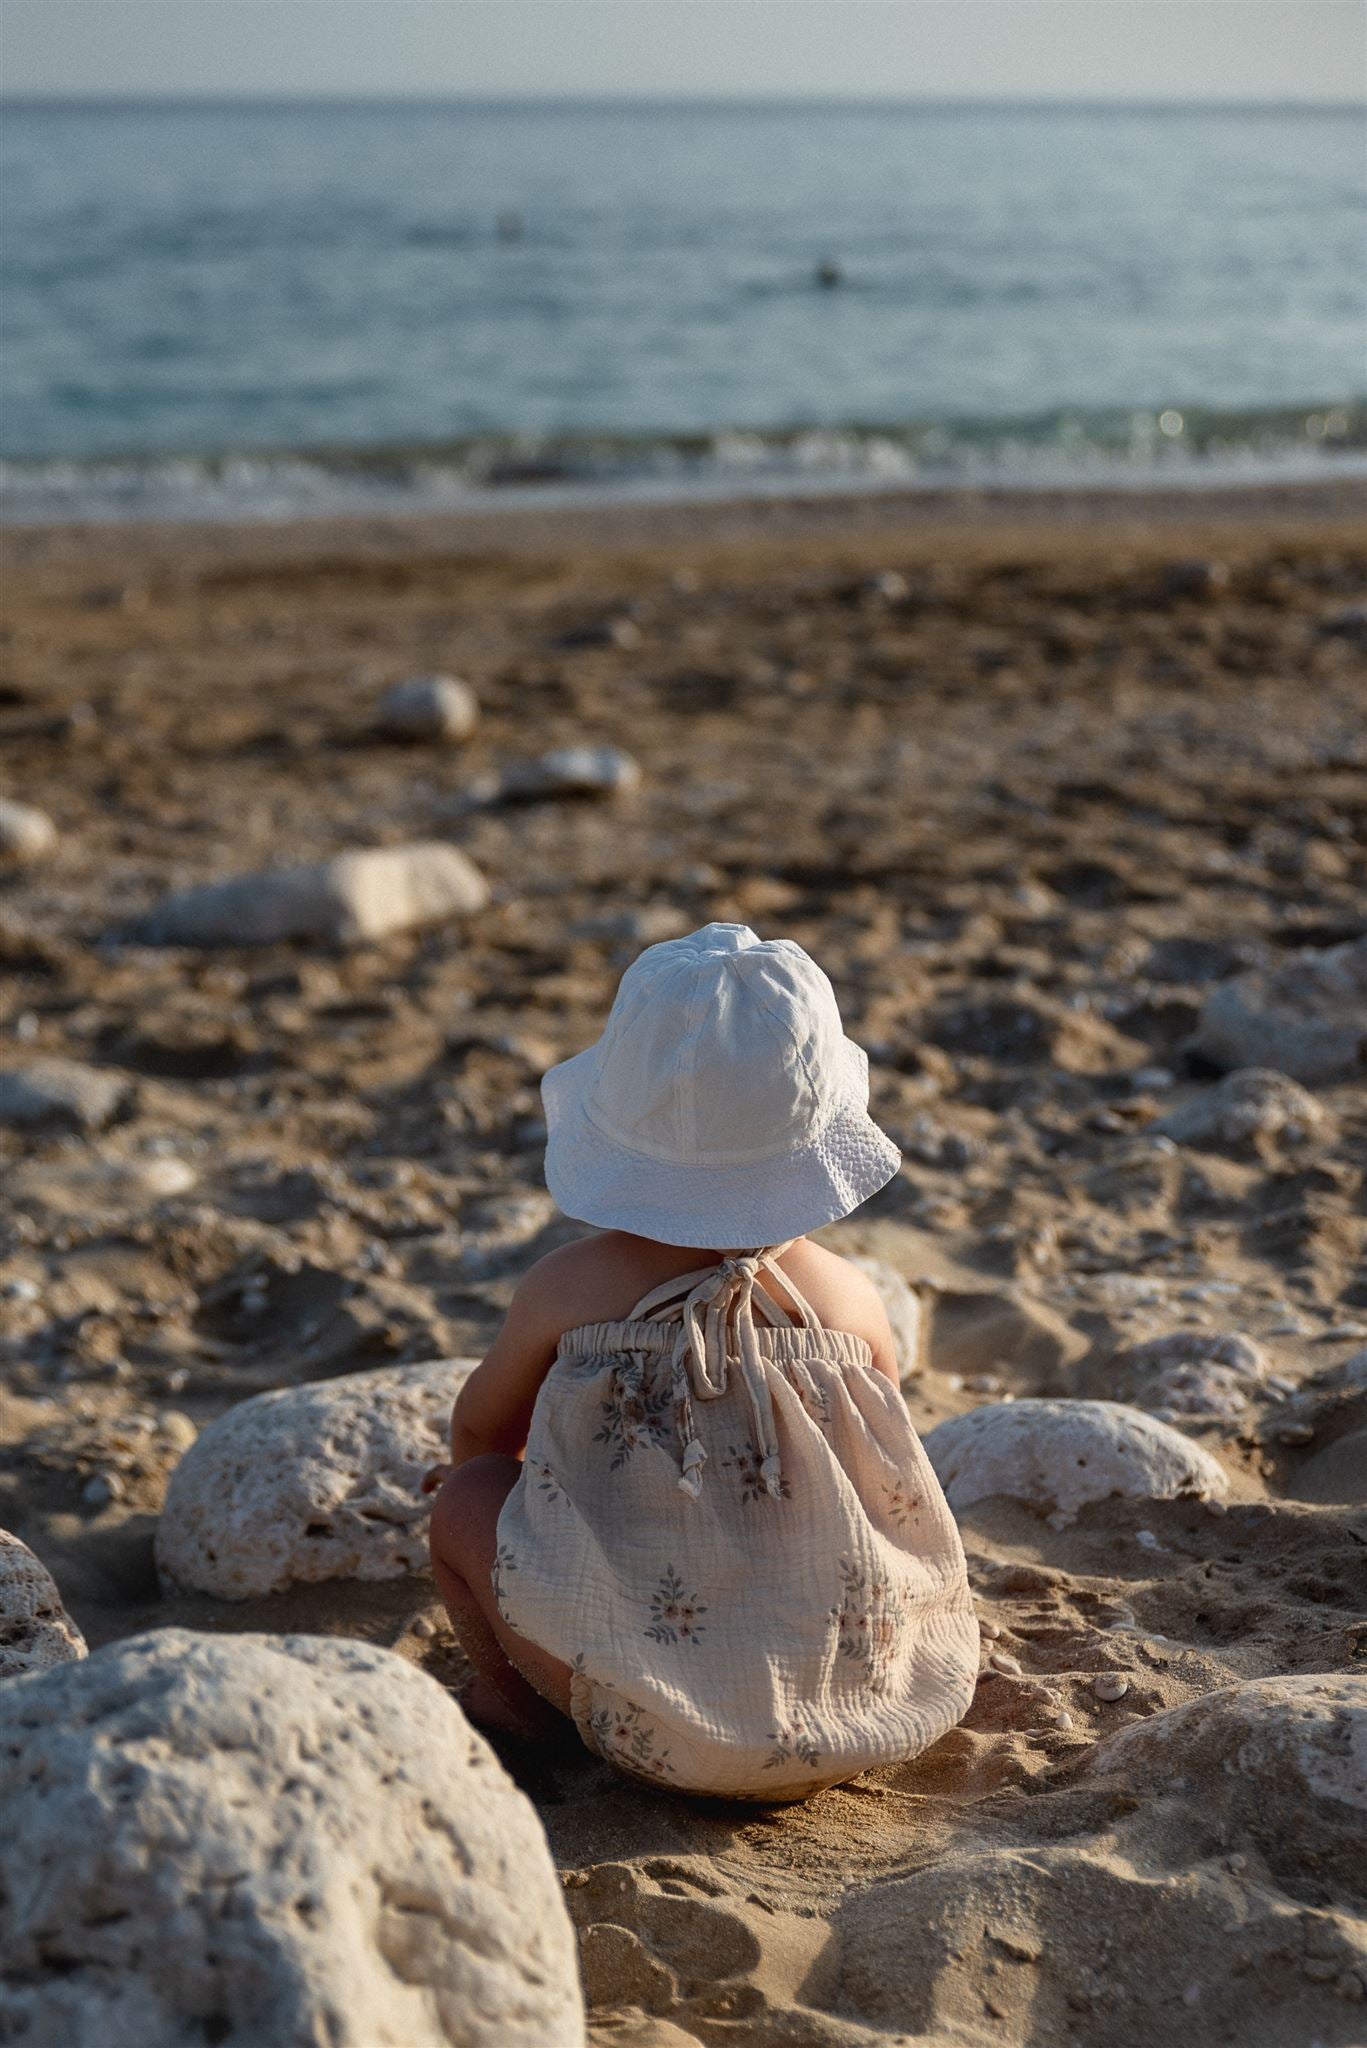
[(259, 308)]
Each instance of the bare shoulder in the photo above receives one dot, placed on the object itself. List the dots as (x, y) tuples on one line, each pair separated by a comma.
[(596, 1279), (842, 1296)]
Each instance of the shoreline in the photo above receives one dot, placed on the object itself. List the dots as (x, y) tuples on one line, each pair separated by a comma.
[(1067, 514)]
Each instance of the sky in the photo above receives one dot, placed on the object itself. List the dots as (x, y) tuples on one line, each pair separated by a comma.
[(976, 49)]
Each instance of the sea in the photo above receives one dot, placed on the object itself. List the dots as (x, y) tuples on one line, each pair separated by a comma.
[(264, 309)]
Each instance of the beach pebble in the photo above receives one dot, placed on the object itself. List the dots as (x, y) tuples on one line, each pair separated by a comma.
[(101, 1489), (428, 708), (36, 1631), (354, 898), (308, 1483), (1062, 1454), (1008, 1666), (903, 1308), (1306, 1018), (1110, 1685), (25, 833), (1254, 1102), (581, 771), (257, 1839), (1195, 576), (61, 1094)]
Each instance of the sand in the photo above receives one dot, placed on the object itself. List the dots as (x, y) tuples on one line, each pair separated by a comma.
[(1028, 776)]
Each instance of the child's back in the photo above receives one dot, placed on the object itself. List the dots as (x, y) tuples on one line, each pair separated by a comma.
[(724, 1551)]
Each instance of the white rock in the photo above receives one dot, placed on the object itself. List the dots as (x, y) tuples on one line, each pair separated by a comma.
[(269, 1841), (1252, 1103), (309, 1483), (357, 896), (60, 1094), (565, 772), (903, 1307), (1288, 1740), (36, 1631), (1062, 1454), (25, 833), (1192, 1372), (428, 708), (1306, 1018)]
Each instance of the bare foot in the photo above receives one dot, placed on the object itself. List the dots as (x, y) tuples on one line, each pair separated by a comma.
[(483, 1703)]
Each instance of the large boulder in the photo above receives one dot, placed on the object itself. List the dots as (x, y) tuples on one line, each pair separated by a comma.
[(356, 897), (1306, 1018), (428, 708), (265, 1842), (36, 1631), (310, 1483), (1063, 1454), (25, 832), (60, 1095), (1252, 1103)]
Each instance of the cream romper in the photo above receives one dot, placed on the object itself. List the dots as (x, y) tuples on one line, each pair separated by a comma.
[(728, 1529)]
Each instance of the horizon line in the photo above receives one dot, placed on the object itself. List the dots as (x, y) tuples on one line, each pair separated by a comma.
[(668, 102)]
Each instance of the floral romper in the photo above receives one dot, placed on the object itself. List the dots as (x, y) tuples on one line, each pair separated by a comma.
[(731, 1534)]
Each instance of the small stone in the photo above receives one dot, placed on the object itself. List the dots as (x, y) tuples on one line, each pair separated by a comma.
[(428, 708), (989, 1629), (1110, 1685), (424, 1626), (1303, 1018), (356, 897), (25, 833), (1062, 1719), (1216, 1508), (1146, 1539), (1254, 1102), (568, 772), (61, 1094), (1236, 1862), (1294, 1433), (1007, 1665), (982, 1383), (102, 1489), (21, 1290)]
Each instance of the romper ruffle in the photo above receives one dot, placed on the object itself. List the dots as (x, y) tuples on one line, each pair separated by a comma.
[(731, 1534)]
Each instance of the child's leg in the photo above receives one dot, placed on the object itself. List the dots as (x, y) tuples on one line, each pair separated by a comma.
[(464, 1538)]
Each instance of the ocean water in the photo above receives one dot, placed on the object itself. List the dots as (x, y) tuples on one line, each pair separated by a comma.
[(257, 309)]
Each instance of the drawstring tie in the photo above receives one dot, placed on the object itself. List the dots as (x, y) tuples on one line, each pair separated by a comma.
[(724, 1301)]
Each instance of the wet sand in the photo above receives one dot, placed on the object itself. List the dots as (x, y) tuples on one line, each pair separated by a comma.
[(1029, 776)]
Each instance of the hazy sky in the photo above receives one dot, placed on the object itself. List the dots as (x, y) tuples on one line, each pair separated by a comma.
[(1112, 49)]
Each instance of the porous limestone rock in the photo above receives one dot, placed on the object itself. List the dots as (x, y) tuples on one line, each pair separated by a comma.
[(1306, 1018), (36, 1631), (265, 1841), (1252, 1103), (1278, 1744), (1191, 1372), (25, 832), (309, 1483), (428, 708), (1062, 1454), (60, 1095), (358, 896), (904, 1311)]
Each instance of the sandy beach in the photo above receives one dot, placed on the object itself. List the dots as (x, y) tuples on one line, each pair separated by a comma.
[(1031, 776)]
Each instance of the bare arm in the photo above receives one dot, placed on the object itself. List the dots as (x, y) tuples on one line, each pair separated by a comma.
[(493, 1409)]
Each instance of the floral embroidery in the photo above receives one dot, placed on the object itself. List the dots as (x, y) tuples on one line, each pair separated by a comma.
[(628, 1739), (816, 1399), (633, 1415), (791, 1745), (505, 1560), (749, 1465), (674, 1615), (547, 1482), (868, 1622), (900, 1505)]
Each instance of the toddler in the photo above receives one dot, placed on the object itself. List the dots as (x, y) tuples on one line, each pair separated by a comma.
[(686, 1505)]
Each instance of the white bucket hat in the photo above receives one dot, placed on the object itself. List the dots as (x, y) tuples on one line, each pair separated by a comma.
[(723, 1105)]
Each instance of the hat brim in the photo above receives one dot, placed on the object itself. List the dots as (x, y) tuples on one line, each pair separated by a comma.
[(715, 1208)]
